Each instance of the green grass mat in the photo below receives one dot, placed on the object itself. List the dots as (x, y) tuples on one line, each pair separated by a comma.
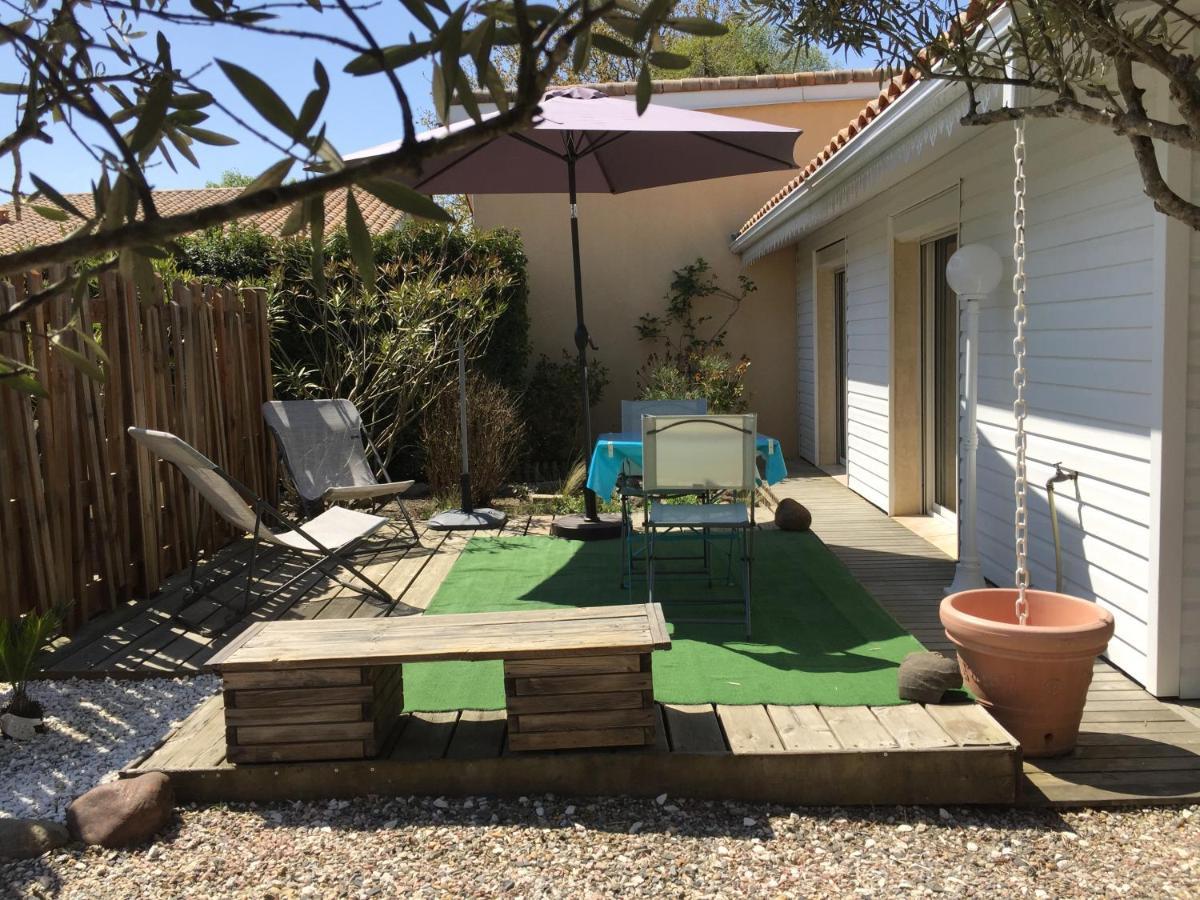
[(819, 637)]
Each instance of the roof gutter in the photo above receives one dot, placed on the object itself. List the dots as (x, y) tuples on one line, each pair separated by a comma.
[(911, 110)]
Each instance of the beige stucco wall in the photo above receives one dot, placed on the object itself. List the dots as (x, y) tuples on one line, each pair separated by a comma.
[(632, 242)]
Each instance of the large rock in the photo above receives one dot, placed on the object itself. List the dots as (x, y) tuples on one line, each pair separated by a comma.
[(792, 516), (124, 812), (925, 677), (29, 838)]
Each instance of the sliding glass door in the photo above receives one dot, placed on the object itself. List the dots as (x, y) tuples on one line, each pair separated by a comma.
[(940, 355)]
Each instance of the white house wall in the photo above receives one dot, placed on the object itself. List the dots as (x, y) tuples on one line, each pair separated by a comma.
[(1190, 621), (1091, 279)]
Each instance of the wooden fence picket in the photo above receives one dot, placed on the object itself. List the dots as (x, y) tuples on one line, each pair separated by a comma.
[(86, 515)]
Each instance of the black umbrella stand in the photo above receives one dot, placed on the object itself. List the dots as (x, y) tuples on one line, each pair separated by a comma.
[(466, 516), (591, 526)]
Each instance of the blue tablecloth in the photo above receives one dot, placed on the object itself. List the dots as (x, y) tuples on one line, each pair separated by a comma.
[(612, 450)]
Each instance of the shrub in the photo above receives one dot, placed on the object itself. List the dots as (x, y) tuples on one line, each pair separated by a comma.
[(714, 377), (692, 364), (392, 347), (495, 436), (553, 414)]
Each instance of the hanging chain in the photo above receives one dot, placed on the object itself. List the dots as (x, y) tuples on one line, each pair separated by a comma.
[(1020, 318)]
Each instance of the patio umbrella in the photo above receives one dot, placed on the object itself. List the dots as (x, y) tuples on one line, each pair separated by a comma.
[(585, 141)]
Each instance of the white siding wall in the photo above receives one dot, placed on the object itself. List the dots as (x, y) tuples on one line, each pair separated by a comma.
[(806, 364), (1090, 291), (1189, 674)]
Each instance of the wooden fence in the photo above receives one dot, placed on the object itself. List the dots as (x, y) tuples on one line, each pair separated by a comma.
[(85, 514)]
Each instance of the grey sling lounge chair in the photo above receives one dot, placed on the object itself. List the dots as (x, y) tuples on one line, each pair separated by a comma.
[(324, 448), (327, 537)]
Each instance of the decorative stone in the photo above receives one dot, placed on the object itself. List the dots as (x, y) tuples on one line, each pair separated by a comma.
[(792, 516), (925, 677), (30, 838), (124, 812)]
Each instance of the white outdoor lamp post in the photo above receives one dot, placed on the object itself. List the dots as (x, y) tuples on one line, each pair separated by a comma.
[(973, 272)]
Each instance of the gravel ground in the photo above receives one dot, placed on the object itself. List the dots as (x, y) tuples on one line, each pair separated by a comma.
[(556, 847), (94, 729)]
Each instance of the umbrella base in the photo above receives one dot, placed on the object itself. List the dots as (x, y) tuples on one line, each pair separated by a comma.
[(461, 520), (581, 528)]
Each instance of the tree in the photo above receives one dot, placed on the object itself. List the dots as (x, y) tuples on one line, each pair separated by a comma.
[(231, 178), (1091, 61), (748, 48), (101, 72)]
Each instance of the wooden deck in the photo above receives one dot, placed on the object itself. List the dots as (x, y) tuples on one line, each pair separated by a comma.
[(1133, 749), (803, 755)]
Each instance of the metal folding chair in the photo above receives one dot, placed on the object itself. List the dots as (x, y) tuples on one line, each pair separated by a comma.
[(328, 537), (712, 455), (629, 482), (324, 448)]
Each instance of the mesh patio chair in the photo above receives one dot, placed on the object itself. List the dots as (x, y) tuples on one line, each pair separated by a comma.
[(324, 448), (327, 537), (703, 455), (629, 482)]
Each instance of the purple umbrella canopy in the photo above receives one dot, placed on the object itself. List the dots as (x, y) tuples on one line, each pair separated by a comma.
[(584, 141), (616, 150)]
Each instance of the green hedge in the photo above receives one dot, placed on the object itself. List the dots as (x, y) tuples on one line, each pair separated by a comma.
[(243, 254)]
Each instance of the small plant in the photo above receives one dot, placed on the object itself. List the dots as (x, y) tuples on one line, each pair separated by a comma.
[(693, 363), (714, 377), (20, 643), (495, 439)]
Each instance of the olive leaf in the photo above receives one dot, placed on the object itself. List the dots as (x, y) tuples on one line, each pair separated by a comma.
[(361, 246), (405, 199), (262, 97)]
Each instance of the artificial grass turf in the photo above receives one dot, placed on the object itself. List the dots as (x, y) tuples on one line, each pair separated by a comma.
[(818, 636)]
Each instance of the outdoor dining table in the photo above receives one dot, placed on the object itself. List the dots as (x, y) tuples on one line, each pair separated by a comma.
[(614, 449)]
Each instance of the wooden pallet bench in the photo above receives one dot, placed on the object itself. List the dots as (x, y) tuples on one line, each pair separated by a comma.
[(316, 690)]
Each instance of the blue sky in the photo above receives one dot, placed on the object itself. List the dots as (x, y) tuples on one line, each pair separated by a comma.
[(360, 112)]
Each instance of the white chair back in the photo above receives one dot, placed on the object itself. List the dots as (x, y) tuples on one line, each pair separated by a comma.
[(633, 410), (700, 453), (201, 472), (322, 444)]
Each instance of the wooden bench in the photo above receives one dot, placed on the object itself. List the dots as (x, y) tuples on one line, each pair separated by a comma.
[(334, 689)]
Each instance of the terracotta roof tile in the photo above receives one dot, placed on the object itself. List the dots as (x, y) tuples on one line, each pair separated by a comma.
[(968, 20), (33, 229)]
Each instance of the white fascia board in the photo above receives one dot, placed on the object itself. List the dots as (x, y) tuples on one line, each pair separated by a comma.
[(917, 105), (905, 114)]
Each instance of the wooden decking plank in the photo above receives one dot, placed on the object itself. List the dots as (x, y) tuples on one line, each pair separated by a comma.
[(968, 724), (478, 735), (803, 728), (694, 729), (1118, 788), (748, 729), (426, 735), (856, 728), (913, 727), (181, 745)]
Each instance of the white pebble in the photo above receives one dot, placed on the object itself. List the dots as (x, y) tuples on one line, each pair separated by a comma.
[(95, 728)]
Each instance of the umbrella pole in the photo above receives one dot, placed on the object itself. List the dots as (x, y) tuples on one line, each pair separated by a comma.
[(466, 517), (465, 480), (589, 526)]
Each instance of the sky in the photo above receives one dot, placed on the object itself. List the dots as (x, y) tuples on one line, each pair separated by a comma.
[(360, 112)]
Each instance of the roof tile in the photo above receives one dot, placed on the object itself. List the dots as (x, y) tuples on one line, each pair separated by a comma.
[(33, 229)]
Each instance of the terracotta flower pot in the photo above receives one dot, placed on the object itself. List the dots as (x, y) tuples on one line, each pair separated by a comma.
[(1033, 678)]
